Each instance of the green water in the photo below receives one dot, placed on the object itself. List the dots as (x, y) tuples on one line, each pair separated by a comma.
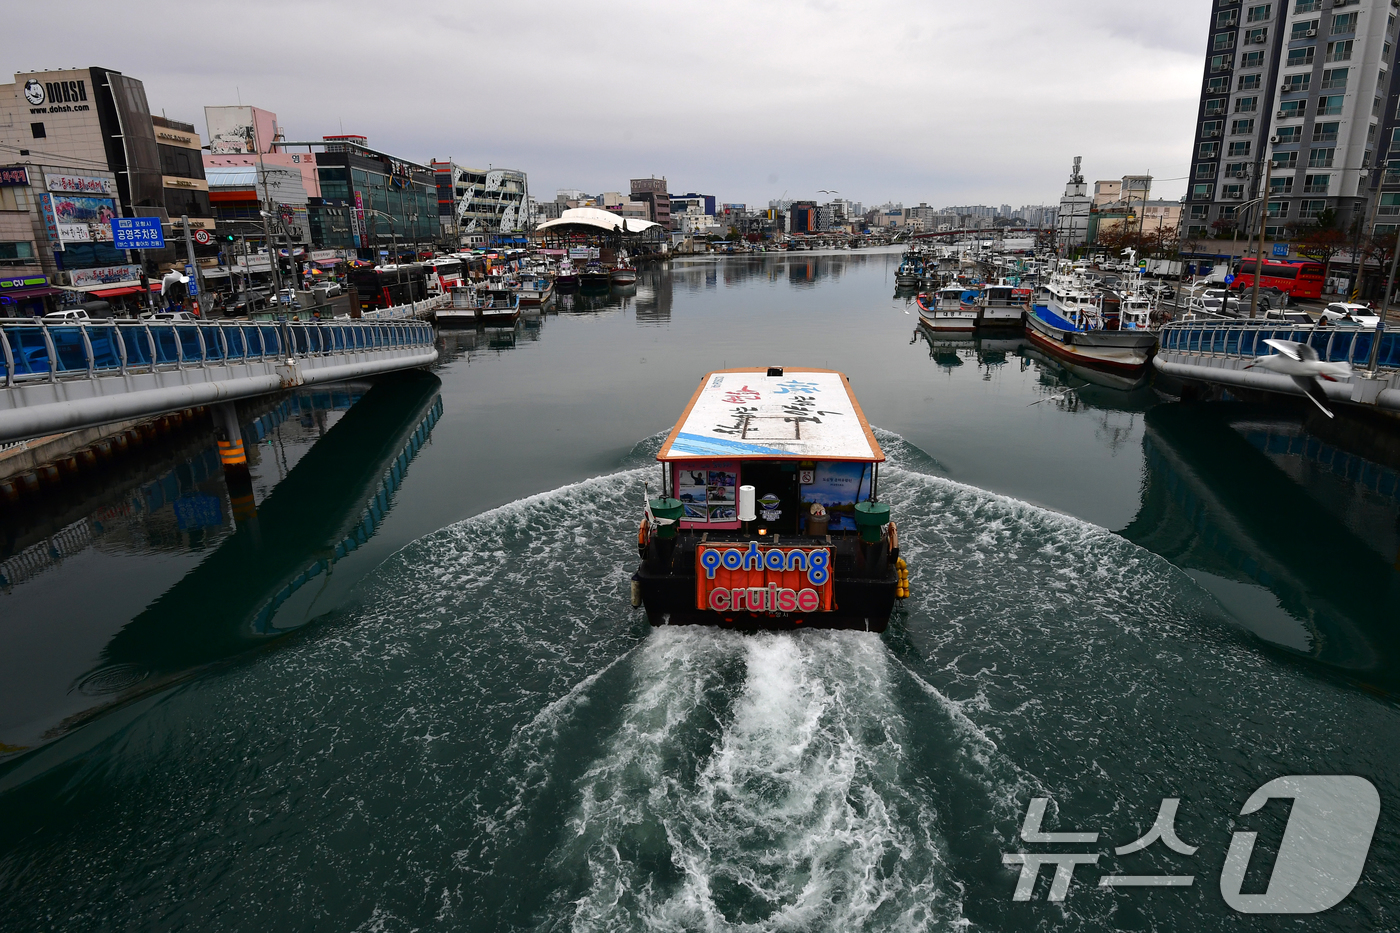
[(413, 696)]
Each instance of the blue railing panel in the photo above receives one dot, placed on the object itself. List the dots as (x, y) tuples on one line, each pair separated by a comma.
[(272, 343), (30, 351), (167, 344), (1390, 350), (1361, 349), (138, 346), (189, 342), (233, 336), (105, 352), (1341, 346), (68, 344), (213, 347)]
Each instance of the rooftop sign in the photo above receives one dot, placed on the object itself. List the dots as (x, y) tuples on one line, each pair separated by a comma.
[(802, 414)]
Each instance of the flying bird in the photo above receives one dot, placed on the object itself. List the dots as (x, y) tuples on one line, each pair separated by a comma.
[(1300, 361)]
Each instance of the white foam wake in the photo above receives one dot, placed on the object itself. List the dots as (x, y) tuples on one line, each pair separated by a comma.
[(756, 783)]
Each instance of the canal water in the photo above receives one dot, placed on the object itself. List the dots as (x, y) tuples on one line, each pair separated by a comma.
[(412, 695)]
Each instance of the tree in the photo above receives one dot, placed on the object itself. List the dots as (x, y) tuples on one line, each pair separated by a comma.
[(1320, 243)]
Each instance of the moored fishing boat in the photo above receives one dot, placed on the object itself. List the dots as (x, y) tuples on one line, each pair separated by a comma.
[(952, 308), (567, 277), (594, 275), (624, 273), (769, 515), (910, 272), (1003, 306), (1070, 326)]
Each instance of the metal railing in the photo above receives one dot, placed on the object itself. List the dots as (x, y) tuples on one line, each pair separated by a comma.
[(38, 351), (1245, 340)]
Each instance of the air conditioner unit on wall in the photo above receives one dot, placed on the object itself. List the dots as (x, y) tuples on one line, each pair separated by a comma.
[(1310, 34), (1276, 139)]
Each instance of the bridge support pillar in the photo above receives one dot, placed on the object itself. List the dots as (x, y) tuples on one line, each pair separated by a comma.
[(234, 457)]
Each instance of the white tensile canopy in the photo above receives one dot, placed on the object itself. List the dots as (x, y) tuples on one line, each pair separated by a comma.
[(592, 219)]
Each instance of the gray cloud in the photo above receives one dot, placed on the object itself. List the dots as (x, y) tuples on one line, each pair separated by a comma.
[(939, 101)]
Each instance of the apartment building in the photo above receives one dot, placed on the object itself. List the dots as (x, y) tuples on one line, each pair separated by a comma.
[(1306, 85)]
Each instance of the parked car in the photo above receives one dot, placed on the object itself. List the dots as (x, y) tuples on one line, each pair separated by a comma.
[(1288, 317), (68, 316), (1346, 313), (169, 316)]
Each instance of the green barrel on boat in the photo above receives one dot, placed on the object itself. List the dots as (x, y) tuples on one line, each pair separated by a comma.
[(668, 508), (870, 518)]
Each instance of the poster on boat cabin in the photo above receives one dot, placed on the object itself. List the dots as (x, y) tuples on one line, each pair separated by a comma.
[(750, 414), (837, 487), (708, 492)]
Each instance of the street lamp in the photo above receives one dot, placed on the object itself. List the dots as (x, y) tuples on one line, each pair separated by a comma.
[(394, 234)]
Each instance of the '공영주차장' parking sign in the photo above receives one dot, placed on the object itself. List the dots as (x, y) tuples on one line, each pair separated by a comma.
[(137, 233)]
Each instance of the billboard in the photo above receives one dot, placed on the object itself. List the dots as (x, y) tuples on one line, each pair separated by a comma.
[(236, 130), (104, 275), (80, 184), (83, 219)]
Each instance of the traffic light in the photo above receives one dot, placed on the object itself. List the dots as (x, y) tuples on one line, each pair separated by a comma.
[(229, 237)]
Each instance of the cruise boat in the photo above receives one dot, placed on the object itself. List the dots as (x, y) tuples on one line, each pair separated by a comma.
[(1003, 306), (1069, 324), (951, 308), (769, 513)]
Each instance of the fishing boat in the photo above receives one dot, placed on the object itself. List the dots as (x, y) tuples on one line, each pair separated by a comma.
[(909, 272), (594, 275), (492, 304), (1003, 306), (953, 308), (1070, 324), (534, 288), (769, 513), (624, 273)]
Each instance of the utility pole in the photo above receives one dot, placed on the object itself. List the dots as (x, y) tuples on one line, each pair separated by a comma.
[(1259, 248), (198, 289)]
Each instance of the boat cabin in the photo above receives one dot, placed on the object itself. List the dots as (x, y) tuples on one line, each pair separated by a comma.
[(769, 476)]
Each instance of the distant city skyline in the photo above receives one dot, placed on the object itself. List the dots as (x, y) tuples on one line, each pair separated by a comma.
[(739, 115)]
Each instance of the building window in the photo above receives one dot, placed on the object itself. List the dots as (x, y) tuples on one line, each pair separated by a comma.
[(1377, 107), (1242, 127), (1339, 51), (1250, 82), (18, 252), (1200, 211), (1252, 60), (1209, 150), (1303, 56), (1237, 170), (1316, 184), (1275, 233), (1239, 150), (1319, 158), (1390, 204), (1205, 170), (1392, 173), (1308, 210), (1227, 19), (1200, 192), (1278, 186), (1335, 79), (37, 130), (1223, 40), (1196, 231), (1303, 30), (1278, 209), (1371, 134), (1246, 104), (1325, 132), (1232, 191), (1330, 106), (1285, 159), (1307, 6), (1228, 212), (1256, 36), (1211, 128), (1341, 25), (1258, 14), (1292, 109), (1288, 134), (1219, 63), (1296, 84)]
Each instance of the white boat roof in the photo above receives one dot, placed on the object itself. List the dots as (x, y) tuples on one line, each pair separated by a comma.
[(597, 219), (803, 414)]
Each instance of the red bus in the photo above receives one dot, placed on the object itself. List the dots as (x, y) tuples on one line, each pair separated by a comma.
[(1300, 278)]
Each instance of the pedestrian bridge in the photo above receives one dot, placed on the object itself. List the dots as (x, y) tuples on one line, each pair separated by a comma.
[(1218, 352), (61, 377)]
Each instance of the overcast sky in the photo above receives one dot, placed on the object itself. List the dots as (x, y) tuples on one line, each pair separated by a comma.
[(982, 101)]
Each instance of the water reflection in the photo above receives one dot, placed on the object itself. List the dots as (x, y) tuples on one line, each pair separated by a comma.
[(1294, 537), (328, 506)]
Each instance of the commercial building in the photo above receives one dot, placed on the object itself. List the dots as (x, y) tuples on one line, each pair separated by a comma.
[(652, 191), (240, 195), (481, 204), (186, 190), (244, 136), (1306, 84)]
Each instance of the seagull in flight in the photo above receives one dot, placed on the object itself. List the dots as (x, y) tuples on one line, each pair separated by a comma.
[(1058, 395), (1300, 361)]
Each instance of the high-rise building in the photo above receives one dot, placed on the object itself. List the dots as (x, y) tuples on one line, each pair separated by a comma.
[(653, 192), (1072, 220), (1305, 84)]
